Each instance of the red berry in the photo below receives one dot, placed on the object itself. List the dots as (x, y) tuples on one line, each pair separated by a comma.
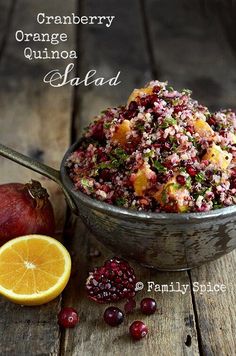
[(148, 306), (113, 316), (181, 179), (138, 330), (68, 317), (191, 171), (112, 282), (156, 89), (211, 121), (129, 306)]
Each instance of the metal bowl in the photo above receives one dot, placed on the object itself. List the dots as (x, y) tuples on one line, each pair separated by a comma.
[(165, 241)]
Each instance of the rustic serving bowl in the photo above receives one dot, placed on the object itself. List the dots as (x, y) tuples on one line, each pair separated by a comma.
[(165, 241)]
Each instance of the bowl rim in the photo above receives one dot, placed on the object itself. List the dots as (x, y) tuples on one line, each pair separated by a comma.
[(122, 212)]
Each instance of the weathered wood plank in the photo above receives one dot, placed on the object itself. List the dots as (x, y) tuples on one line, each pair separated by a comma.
[(191, 49), (216, 311), (168, 331), (35, 120), (6, 13)]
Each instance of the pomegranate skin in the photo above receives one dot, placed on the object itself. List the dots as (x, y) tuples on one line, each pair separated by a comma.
[(23, 214)]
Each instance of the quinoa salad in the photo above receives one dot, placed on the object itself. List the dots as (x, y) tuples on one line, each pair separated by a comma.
[(162, 152)]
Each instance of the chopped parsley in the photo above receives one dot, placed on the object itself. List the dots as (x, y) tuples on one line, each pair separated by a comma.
[(169, 121), (107, 125), (200, 177), (159, 166), (121, 201)]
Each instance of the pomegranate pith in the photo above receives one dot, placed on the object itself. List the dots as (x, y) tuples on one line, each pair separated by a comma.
[(113, 281), (113, 316)]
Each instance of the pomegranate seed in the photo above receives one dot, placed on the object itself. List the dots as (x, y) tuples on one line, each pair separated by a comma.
[(148, 306), (102, 285), (138, 330), (68, 317), (129, 306), (181, 179), (113, 316), (233, 183), (191, 171)]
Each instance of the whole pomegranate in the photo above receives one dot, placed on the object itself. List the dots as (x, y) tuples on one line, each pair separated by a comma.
[(25, 209)]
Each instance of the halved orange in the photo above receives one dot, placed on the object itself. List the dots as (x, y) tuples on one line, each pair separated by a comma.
[(34, 269)]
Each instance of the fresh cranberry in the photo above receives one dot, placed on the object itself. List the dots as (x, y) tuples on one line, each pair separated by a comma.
[(68, 317), (181, 179), (113, 316), (129, 306), (138, 330), (148, 306), (191, 171)]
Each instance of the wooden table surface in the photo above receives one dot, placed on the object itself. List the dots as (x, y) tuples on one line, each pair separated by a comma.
[(190, 43)]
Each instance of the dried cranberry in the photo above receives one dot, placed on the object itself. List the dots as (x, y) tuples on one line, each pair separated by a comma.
[(211, 121), (191, 171), (179, 108), (113, 316), (138, 330), (181, 179), (105, 174), (190, 129), (148, 306), (233, 183), (98, 132), (68, 317)]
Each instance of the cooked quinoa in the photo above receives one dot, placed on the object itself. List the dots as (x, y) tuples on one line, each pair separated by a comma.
[(161, 152)]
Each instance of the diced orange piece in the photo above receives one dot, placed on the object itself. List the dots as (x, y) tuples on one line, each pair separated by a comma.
[(120, 135), (232, 137), (203, 128), (141, 181), (173, 191), (220, 158), (139, 92)]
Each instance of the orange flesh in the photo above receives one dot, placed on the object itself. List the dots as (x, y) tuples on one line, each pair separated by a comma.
[(30, 266)]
